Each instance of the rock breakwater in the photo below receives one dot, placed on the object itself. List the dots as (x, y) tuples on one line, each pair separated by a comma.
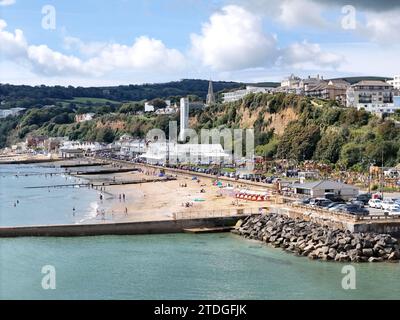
[(309, 239)]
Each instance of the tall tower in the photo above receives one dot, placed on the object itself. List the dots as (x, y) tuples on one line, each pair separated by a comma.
[(210, 96), (184, 119)]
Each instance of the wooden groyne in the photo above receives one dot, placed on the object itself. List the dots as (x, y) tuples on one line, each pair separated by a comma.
[(126, 228), (102, 184), (29, 161), (103, 171), (77, 165)]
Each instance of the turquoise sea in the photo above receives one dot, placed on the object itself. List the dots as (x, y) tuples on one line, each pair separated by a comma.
[(181, 266)]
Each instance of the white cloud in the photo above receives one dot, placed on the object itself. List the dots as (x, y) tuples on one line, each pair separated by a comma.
[(144, 55), (7, 2), (233, 39), (50, 62), (301, 12), (377, 21), (309, 55), (11, 44), (87, 49), (382, 27), (289, 13)]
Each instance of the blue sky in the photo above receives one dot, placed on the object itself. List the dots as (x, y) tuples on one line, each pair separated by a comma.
[(125, 41)]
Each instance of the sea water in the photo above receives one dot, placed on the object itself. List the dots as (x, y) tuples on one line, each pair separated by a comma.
[(20, 204), (178, 266)]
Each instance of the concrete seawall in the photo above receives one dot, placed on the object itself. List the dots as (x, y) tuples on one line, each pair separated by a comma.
[(392, 228), (127, 228)]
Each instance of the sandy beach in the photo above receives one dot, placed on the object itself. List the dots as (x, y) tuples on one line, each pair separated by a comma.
[(167, 200)]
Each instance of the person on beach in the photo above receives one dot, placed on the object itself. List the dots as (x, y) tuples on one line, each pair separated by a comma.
[(126, 211), (119, 196), (73, 211), (123, 197)]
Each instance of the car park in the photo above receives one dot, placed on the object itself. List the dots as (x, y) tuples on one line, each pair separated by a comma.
[(357, 203), (338, 207), (393, 210), (355, 210), (333, 197), (320, 202), (305, 201), (364, 197), (386, 203), (375, 203)]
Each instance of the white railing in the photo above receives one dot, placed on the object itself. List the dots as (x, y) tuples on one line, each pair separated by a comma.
[(203, 214), (347, 215)]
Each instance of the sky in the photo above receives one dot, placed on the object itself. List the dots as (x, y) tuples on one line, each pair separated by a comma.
[(116, 42)]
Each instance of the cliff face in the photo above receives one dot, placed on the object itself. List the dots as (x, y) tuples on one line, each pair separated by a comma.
[(257, 114)]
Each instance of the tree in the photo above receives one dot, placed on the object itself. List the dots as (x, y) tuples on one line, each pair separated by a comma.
[(299, 142), (106, 135), (351, 154), (328, 148), (158, 104)]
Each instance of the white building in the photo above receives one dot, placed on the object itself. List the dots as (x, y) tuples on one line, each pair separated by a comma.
[(184, 117), (373, 96), (167, 110), (318, 189), (173, 153), (291, 84), (84, 117), (395, 82), (132, 148), (240, 94), (296, 85), (75, 148), (148, 107)]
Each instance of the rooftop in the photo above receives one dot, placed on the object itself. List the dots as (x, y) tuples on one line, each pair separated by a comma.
[(372, 83), (323, 184)]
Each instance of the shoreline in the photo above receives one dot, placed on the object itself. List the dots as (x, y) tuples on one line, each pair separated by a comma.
[(163, 200)]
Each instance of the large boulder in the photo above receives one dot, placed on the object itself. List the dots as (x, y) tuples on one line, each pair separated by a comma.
[(368, 252), (395, 255), (375, 259)]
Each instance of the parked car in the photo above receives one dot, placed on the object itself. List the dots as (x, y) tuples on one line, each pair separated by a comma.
[(354, 209), (386, 203), (338, 207), (364, 197), (393, 210), (303, 201), (333, 197), (375, 203), (268, 180), (357, 202), (320, 202)]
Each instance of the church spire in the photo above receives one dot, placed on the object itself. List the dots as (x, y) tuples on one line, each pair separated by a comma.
[(210, 95)]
